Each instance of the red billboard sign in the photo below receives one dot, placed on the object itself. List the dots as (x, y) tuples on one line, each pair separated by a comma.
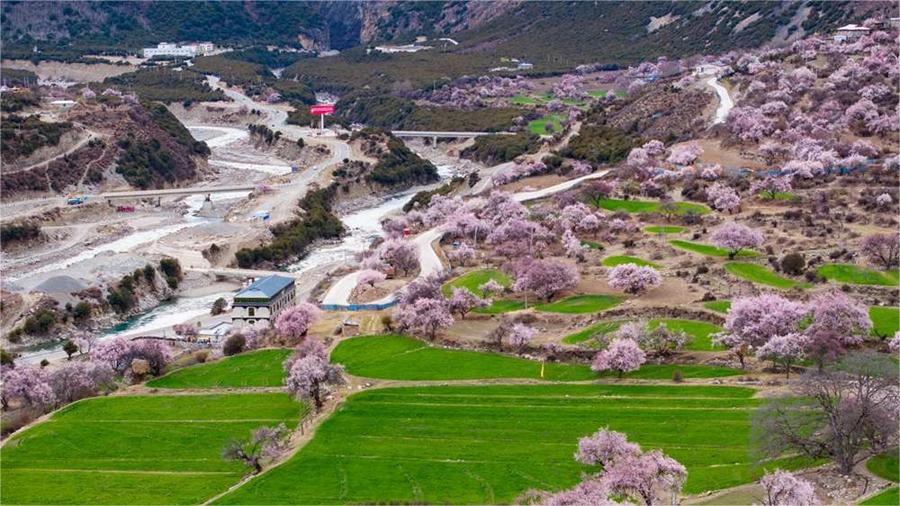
[(321, 109)]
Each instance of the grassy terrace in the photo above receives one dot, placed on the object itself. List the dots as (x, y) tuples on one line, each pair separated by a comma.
[(648, 206), (440, 444), (886, 466), (615, 260), (261, 368), (854, 275), (597, 329), (890, 497), (885, 320), (719, 306), (709, 250), (699, 331), (538, 126), (658, 229), (405, 358), (580, 304), (136, 450), (762, 275), (472, 280)]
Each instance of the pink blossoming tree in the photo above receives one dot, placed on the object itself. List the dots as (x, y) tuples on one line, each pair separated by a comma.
[(633, 279), (622, 355), (294, 322), (736, 237), (784, 489)]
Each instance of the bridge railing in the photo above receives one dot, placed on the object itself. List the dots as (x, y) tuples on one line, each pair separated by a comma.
[(357, 307)]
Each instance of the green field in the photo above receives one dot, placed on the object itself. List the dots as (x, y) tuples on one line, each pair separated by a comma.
[(615, 260), (136, 450), (719, 306), (472, 280), (709, 250), (537, 126), (699, 331), (597, 329), (405, 358), (663, 230), (489, 444), (762, 275), (885, 320), (886, 465), (261, 368), (890, 497), (580, 304), (688, 371), (854, 275), (648, 206), (500, 306)]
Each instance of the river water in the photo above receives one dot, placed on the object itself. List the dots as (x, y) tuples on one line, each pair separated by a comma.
[(363, 227)]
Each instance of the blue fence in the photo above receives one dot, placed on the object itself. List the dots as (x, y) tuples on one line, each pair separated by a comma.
[(357, 307)]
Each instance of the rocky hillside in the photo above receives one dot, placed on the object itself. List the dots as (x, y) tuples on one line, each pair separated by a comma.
[(138, 144), (550, 32)]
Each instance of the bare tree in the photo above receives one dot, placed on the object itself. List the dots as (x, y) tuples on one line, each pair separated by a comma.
[(844, 413), (264, 443)]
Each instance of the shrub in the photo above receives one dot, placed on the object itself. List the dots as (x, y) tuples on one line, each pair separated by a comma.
[(677, 376), (494, 149), (234, 345), (793, 263), (218, 306), (70, 348)]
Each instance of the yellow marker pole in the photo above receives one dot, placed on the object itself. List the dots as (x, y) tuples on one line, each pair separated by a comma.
[(542, 369)]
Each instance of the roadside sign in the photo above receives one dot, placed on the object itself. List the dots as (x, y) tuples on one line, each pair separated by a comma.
[(320, 109)]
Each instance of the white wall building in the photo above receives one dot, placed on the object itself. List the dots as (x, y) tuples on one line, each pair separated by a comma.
[(261, 302), (850, 33), (186, 51)]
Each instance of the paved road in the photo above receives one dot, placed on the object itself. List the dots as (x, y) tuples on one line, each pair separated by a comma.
[(725, 102), (429, 261)]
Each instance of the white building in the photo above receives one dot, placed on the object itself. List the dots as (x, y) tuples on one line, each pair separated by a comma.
[(187, 51), (262, 301), (850, 33)]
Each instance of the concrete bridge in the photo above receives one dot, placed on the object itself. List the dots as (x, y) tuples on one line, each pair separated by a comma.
[(190, 190), (435, 135)]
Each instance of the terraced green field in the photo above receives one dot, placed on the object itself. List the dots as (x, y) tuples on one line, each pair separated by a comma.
[(855, 275), (890, 497), (699, 331), (489, 444), (136, 450), (709, 250), (649, 206), (612, 261), (885, 320), (404, 358), (762, 275), (538, 126), (261, 368), (500, 306), (580, 304), (886, 465), (597, 329), (655, 229), (472, 280), (719, 306)]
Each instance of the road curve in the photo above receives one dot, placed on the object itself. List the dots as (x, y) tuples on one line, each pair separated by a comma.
[(429, 261), (725, 102)]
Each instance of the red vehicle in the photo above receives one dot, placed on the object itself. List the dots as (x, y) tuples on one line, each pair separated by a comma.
[(125, 209)]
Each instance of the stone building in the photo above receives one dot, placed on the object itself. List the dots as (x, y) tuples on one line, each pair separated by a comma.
[(261, 302)]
